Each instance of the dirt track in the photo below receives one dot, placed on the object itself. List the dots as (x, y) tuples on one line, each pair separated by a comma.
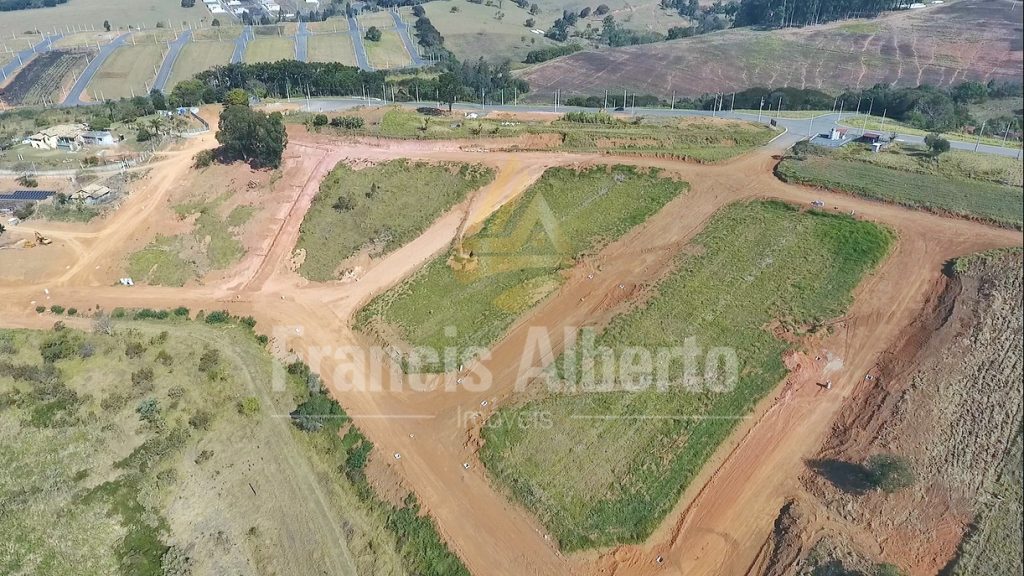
[(720, 525)]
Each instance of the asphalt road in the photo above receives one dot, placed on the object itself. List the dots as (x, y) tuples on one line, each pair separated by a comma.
[(21, 58), (410, 45), (302, 43), (357, 42), (796, 128), (240, 44), (75, 94), (164, 74)]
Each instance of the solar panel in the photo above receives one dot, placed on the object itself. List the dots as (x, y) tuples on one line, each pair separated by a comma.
[(27, 195)]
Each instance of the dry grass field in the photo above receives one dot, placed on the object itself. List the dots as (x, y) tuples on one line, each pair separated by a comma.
[(331, 48), (120, 14), (940, 45), (389, 53), (198, 56), (270, 49), (128, 72)]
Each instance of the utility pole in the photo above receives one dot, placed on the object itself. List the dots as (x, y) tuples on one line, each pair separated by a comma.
[(606, 99), (759, 108), (732, 105), (977, 143), (778, 113), (673, 106), (841, 105), (1006, 133)]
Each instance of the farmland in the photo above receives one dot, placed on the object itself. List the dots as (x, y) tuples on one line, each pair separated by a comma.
[(613, 463), (128, 72), (331, 48), (907, 49), (389, 53), (198, 56), (378, 209), (270, 49), (44, 79), (504, 270), (144, 13), (959, 183)]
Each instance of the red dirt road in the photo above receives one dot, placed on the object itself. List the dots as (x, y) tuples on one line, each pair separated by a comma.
[(721, 524)]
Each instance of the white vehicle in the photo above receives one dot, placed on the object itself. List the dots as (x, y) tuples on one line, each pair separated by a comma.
[(817, 204)]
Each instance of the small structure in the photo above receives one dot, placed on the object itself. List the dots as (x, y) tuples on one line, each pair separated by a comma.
[(59, 137), (835, 138), (837, 134), (92, 194), (98, 138)]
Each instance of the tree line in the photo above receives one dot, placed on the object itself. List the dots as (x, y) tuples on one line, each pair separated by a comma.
[(783, 13), (12, 5)]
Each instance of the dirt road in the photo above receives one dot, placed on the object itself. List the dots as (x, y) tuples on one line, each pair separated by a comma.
[(720, 525)]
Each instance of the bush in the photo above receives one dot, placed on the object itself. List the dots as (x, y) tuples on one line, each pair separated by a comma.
[(164, 358), (134, 349), (201, 420), (40, 309), (320, 120), (181, 311), (148, 410), (209, 361), (72, 311), (889, 472), (218, 317), (143, 134), (143, 378), (249, 406), (373, 34), (58, 310), (61, 345), (347, 122), (203, 159)]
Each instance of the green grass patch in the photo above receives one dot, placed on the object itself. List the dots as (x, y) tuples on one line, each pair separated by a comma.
[(71, 212), (240, 215), (606, 467), (159, 263), (516, 259), (959, 183), (379, 208)]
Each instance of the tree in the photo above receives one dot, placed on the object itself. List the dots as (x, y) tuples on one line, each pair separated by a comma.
[(2, 229), (143, 135), (602, 9), (252, 136), (106, 25), (936, 144), (449, 87), (418, 11), (529, 23), (215, 22), (158, 99), (187, 93), (889, 472), (236, 97), (372, 34), (534, 9), (585, 12)]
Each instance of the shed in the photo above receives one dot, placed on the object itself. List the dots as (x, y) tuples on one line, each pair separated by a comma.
[(98, 137)]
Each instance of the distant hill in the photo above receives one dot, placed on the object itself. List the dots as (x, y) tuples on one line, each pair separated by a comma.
[(939, 45)]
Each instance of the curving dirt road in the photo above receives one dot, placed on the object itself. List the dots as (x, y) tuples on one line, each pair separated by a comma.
[(720, 525)]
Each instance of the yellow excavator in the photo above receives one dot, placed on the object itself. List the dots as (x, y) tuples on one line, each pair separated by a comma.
[(40, 239)]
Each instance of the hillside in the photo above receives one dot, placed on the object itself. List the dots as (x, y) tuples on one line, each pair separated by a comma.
[(938, 45)]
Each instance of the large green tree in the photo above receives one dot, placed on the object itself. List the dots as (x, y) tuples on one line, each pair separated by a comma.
[(449, 88), (252, 136)]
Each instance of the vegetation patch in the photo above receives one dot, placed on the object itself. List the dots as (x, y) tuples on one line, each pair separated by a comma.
[(379, 209), (515, 260), (609, 465), (964, 184)]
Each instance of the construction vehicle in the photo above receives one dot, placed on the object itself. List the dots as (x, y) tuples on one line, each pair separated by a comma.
[(43, 239)]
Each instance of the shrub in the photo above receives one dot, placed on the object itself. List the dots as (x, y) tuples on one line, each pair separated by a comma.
[(72, 311), (320, 120), (40, 309), (203, 159), (181, 311), (201, 420), (58, 310), (348, 122), (87, 350), (143, 378), (248, 321), (889, 472), (249, 406), (218, 317), (209, 361), (262, 339), (134, 349), (164, 358), (148, 410), (61, 345)]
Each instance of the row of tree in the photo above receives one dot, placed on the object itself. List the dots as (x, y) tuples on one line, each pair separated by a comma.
[(783, 13), (12, 5)]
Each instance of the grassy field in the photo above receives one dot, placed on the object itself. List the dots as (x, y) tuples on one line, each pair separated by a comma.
[(473, 31), (128, 72), (381, 19), (512, 268), (612, 464), (959, 183), (993, 547), (198, 56), (86, 39), (379, 208), (145, 13), (147, 460), (701, 140), (993, 135), (270, 49), (210, 245), (331, 48), (388, 53)]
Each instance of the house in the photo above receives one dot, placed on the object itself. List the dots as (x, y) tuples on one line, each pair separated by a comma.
[(59, 137), (837, 134), (92, 194), (98, 137)]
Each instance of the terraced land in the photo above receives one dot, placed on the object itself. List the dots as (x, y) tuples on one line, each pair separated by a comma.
[(508, 267), (614, 459), (128, 72), (331, 48), (959, 183)]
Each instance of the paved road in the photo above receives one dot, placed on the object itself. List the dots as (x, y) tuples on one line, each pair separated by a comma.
[(240, 44), (172, 56), (302, 43), (357, 42), (21, 58), (410, 45), (797, 128), (75, 94)]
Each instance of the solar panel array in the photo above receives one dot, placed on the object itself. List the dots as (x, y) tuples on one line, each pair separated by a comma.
[(35, 195)]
